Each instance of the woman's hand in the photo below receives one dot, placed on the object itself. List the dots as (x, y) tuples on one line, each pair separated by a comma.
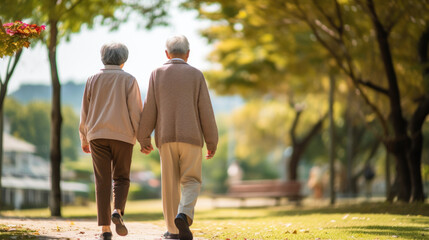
[(86, 149), (146, 150)]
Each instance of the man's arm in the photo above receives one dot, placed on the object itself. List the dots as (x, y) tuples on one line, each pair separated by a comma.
[(148, 118), (207, 120)]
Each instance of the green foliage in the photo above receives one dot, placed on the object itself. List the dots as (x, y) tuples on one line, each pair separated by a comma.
[(214, 170), (261, 142), (256, 56), (31, 122), (288, 46), (73, 14), (142, 162)]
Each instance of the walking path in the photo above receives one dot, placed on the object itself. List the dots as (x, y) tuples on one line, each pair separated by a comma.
[(81, 230)]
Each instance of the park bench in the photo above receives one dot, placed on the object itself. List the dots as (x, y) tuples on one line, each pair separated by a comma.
[(276, 189)]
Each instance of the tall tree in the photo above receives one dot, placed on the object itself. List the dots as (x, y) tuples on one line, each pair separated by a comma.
[(64, 18), (376, 44)]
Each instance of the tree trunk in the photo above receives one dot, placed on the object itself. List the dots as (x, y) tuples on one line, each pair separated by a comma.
[(297, 151), (56, 120), (387, 178), (299, 146), (400, 145), (417, 121), (351, 182), (332, 140), (1, 157)]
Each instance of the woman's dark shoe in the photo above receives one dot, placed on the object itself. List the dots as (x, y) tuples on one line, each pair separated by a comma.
[(106, 236), (168, 235), (181, 222), (121, 230)]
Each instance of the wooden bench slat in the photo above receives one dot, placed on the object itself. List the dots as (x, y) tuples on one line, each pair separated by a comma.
[(264, 188)]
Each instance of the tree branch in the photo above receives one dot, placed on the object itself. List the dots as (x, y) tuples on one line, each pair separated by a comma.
[(329, 18), (373, 86), (340, 18), (67, 10), (294, 126), (341, 65), (9, 72), (314, 130), (422, 51)]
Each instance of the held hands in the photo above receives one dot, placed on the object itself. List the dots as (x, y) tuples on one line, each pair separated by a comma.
[(86, 149), (146, 150), (210, 154)]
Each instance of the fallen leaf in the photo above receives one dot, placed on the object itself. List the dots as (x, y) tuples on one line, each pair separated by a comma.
[(294, 232), (81, 232)]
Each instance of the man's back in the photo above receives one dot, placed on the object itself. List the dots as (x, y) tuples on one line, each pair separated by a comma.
[(179, 98)]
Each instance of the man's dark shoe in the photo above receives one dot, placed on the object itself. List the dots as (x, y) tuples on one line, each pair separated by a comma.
[(181, 222), (168, 235), (121, 230), (106, 236)]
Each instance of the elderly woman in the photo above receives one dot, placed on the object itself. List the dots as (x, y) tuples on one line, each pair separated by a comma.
[(110, 117)]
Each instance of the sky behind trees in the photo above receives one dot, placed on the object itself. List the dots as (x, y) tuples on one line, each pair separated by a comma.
[(80, 57)]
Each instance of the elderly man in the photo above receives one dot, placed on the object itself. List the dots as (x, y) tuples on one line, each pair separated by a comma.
[(110, 117), (178, 107)]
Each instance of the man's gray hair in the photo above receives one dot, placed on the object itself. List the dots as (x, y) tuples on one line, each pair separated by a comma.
[(114, 54), (177, 45)]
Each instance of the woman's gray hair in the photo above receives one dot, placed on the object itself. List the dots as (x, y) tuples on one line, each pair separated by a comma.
[(114, 54), (177, 45)]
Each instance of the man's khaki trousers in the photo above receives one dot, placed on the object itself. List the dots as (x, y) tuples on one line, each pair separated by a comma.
[(111, 159), (181, 180)]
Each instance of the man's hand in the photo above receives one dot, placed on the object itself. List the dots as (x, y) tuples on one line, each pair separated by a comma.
[(210, 154), (86, 149), (146, 150)]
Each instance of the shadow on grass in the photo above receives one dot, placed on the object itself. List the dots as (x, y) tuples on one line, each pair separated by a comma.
[(389, 231), (21, 233), (367, 208), (364, 208)]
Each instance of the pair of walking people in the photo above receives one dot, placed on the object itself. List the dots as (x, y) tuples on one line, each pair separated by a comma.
[(177, 107)]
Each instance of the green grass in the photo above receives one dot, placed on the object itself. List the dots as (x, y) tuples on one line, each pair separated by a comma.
[(357, 221), (15, 232)]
